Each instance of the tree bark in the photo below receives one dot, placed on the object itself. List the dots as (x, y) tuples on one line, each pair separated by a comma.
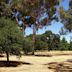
[(7, 55), (34, 38)]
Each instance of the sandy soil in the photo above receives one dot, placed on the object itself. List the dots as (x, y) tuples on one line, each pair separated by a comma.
[(37, 63)]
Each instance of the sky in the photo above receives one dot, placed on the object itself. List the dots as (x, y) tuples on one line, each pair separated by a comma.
[(55, 27)]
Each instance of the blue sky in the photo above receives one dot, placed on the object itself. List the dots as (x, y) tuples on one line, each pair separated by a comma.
[(55, 27)]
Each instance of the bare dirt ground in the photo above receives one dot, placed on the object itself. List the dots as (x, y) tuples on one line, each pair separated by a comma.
[(37, 63)]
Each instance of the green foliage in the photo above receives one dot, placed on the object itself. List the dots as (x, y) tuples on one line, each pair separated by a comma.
[(27, 46), (63, 44), (52, 40), (67, 17), (70, 45), (10, 36), (40, 45), (52, 43), (55, 42), (48, 33)]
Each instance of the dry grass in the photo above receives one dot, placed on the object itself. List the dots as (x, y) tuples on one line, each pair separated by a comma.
[(38, 63), (54, 53)]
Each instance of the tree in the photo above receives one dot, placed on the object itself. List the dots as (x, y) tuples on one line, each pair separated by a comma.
[(27, 46), (10, 37), (40, 44), (70, 45), (36, 13), (49, 38), (63, 44), (34, 9), (66, 17), (54, 42)]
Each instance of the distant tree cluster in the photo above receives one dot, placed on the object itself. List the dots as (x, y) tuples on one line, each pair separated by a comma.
[(50, 41)]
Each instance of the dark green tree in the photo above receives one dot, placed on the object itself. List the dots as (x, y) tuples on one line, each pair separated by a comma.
[(27, 46), (10, 37), (40, 44), (55, 42), (70, 45), (63, 44)]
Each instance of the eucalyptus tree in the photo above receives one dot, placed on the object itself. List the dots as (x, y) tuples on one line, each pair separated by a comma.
[(52, 40), (66, 16), (40, 11), (32, 13)]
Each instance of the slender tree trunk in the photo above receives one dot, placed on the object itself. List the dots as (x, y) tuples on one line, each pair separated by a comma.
[(34, 38), (23, 28), (7, 55)]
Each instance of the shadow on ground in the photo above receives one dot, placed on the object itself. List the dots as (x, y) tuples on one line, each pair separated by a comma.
[(50, 55), (1, 55), (61, 67), (12, 63), (40, 55)]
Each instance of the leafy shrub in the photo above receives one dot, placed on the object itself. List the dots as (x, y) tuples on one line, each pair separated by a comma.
[(27, 46)]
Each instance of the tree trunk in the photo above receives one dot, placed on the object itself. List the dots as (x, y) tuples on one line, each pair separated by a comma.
[(7, 55), (23, 28), (34, 38)]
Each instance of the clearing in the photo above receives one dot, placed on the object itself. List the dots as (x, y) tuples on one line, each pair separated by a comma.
[(38, 64)]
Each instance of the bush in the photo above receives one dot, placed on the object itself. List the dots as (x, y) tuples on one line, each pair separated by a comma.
[(40, 45), (27, 46)]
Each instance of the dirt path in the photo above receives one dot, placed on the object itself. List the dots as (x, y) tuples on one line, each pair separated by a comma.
[(37, 63)]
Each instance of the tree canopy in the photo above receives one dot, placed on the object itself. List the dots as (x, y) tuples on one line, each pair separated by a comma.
[(66, 16), (38, 12), (10, 37)]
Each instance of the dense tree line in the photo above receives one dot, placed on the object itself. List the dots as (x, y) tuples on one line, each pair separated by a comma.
[(50, 41)]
